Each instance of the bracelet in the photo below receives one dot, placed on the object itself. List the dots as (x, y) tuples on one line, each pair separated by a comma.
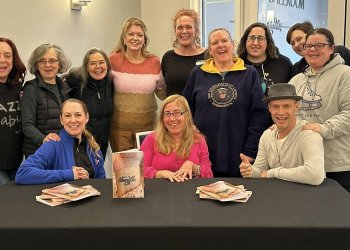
[(197, 170)]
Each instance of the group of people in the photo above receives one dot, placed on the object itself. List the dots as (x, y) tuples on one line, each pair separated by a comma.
[(226, 114)]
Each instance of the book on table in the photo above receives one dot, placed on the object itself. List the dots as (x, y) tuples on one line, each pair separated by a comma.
[(223, 191), (65, 193), (127, 174)]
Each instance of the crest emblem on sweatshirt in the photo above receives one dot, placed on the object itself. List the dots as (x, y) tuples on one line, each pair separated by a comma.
[(222, 94)]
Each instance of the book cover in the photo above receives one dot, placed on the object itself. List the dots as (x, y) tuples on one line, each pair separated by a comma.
[(223, 191), (51, 200), (127, 174), (71, 192)]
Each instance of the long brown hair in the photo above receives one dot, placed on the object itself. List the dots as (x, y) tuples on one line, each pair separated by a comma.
[(164, 141), (18, 71), (92, 143)]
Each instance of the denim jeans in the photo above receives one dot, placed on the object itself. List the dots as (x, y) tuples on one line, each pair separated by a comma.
[(7, 175)]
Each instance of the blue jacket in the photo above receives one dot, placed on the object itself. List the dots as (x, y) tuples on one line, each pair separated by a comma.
[(53, 162), (229, 111)]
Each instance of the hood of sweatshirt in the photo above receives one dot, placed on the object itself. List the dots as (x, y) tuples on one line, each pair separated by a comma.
[(209, 65)]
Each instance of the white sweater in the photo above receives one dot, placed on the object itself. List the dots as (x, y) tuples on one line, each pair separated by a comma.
[(326, 100), (300, 159)]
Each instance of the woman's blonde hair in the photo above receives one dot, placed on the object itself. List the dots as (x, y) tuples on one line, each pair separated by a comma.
[(164, 141), (121, 47), (92, 143)]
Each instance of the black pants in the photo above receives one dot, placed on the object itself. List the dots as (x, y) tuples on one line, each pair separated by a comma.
[(343, 178)]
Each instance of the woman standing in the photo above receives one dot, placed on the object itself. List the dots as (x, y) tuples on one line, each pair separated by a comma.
[(43, 96), (12, 73), (296, 38), (187, 53), (225, 97), (93, 84), (325, 88), (176, 151), (137, 77)]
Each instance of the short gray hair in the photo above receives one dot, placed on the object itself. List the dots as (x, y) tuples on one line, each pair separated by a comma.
[(40, 51)]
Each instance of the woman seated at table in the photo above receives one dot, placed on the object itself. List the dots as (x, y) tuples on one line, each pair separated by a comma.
[(176, 150), (75, 156)]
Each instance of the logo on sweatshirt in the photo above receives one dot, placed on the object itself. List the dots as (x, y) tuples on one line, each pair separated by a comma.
[(222, 94)]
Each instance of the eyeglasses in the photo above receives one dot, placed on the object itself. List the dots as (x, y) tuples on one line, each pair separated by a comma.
[(317, 46), (50, 61), (95, 64), (176, 113), (259, 38)]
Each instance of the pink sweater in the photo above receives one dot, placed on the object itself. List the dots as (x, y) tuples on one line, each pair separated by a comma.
[(154, 161)]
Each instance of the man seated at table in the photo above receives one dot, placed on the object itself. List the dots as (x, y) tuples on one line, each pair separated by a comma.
[(287, 151)]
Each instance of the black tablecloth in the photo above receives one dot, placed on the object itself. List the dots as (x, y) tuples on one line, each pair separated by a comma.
[(278, 215)]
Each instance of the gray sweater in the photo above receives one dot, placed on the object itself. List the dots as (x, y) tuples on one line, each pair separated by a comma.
[(300, 158), (326, 100)]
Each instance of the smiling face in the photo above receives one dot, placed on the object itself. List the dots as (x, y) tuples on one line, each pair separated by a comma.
[(175, 125), (297, 40), (134, 38), (74, 118), (283, 113), (97, 66), (318, 58), (49, 66), (221, 47), (185, 31), (256, 51), (6, 61)]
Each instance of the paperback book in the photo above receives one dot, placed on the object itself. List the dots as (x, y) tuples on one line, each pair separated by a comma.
[(223, 191), (127, 174), (66, 193)]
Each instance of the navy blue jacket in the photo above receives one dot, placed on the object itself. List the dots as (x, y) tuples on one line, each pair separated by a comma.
[(53, 162), (229, 111)]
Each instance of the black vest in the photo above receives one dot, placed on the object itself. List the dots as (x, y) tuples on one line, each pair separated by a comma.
[(47, 111)]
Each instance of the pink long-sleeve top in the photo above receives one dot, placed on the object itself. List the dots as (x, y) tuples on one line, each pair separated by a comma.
[(154, 161)]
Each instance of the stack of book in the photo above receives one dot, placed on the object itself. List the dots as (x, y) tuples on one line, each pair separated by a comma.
[(65, 193), (224, 191)]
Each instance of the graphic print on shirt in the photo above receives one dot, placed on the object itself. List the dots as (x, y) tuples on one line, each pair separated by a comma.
[(311, 100), (266, 82), (11, 117), (222, 94)]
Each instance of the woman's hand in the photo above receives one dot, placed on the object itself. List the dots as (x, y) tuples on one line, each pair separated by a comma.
[(312, 126), (80, 173), (171, 176), (51, 137), (185, 172)]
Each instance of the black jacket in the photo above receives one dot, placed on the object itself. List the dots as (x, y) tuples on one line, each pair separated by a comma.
[(98, 97), (40, 109)]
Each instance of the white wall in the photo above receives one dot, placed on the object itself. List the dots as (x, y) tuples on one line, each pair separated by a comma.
[(33, 22), (30, 23), (157, 15)]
